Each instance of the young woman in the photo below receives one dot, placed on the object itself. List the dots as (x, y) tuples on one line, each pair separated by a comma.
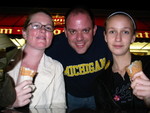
[(114, 89)]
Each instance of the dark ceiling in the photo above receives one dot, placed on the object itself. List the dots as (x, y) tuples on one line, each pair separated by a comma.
[(23, 9), (103, 8), (100, 9)]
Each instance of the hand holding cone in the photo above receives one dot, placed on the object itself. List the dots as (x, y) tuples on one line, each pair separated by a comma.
[(26, 74)]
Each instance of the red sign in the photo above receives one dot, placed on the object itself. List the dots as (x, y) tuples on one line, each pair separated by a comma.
[(18, 31), (58, 20), (143, 34), (10, 30)]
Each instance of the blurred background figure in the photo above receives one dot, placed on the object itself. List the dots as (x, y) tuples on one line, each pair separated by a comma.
[(7, 52)]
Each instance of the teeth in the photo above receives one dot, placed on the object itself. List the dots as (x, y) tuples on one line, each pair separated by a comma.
[(80, 44), (40, 37)]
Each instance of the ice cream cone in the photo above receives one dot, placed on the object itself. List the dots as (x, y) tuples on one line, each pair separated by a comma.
[(135, 67), (26, 74)]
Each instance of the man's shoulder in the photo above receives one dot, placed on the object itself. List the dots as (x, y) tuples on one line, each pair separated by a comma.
[(99, 31), (99, 36), (59, 39), (58, 45), (100, 28), (51, 61)]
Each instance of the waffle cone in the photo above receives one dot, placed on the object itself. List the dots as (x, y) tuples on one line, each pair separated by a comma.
[(135, 67), (27, 72)]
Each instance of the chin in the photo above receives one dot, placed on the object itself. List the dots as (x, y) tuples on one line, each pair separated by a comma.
[(119, 54), (80, 52)]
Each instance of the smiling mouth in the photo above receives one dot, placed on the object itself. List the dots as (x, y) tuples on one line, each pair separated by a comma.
[(80, 45), (43, 38)]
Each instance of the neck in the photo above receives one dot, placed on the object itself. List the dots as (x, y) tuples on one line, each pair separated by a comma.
[(120, 63), (31, 58)]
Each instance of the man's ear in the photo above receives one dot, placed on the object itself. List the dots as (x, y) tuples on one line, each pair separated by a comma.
[(65, 31), (95, 29), (24, 34), (105, 36)]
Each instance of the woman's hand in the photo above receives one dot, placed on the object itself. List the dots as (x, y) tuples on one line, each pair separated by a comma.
[(141, 87), (23, 93)]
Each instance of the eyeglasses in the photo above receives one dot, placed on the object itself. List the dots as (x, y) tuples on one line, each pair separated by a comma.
[(36, 25)]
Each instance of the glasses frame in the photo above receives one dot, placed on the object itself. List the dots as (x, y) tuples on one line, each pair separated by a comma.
[(41, 26)]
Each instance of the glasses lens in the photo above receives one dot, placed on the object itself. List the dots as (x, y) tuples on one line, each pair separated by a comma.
[(39, 26), (36, 25), (48, 28)]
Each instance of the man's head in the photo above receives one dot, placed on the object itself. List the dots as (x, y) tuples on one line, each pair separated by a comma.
[(80, 29)]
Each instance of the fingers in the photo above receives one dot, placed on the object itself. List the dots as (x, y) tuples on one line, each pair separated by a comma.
[(140, 78), (141, 90), (141, 75), (32, 87), (24, 91), (24, 94), (141, 94), (22, 100), (141, 86), (141, 82), (23, 87), (23, 84)]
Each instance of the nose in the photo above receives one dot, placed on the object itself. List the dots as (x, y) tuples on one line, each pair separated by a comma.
[(79, 36), (43, 28), (118, 37)]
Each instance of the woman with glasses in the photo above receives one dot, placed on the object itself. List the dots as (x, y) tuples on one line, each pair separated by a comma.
[(48, 84)]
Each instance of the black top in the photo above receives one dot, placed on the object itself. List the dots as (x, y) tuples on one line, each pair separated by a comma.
[(114, 92), (80, 70)]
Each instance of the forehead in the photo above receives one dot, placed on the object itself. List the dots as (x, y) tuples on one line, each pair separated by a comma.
[(40, 16), (79, 18), (119, 19)]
